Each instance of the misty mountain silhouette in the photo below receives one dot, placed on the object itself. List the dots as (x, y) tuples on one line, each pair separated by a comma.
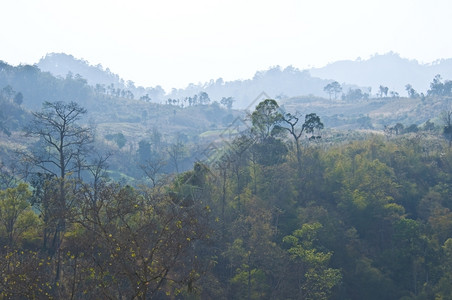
[(388, 69)]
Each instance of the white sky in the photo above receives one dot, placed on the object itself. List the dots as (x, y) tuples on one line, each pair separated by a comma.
[(175, 42)]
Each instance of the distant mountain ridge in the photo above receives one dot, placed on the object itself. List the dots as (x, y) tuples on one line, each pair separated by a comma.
[(276, 82), (60, 64), (388, 69), (37, 86)]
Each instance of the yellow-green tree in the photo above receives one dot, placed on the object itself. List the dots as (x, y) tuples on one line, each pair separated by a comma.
[(314, 279), (16, 216)]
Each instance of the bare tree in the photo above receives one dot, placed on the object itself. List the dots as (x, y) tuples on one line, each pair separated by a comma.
[(176, 152), (62, 139), (98, 170), (62, 143), (312, 122), (153, 167)]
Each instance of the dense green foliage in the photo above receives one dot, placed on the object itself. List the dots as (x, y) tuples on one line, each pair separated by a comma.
[(371, 219), (367, 219)]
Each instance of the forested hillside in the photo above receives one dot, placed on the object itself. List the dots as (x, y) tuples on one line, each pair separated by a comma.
[(107, 197)]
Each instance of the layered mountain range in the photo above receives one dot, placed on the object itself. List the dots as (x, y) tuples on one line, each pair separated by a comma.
[(389, 70)]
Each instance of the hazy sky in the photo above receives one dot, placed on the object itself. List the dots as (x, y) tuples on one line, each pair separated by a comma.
[(173, 43)]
